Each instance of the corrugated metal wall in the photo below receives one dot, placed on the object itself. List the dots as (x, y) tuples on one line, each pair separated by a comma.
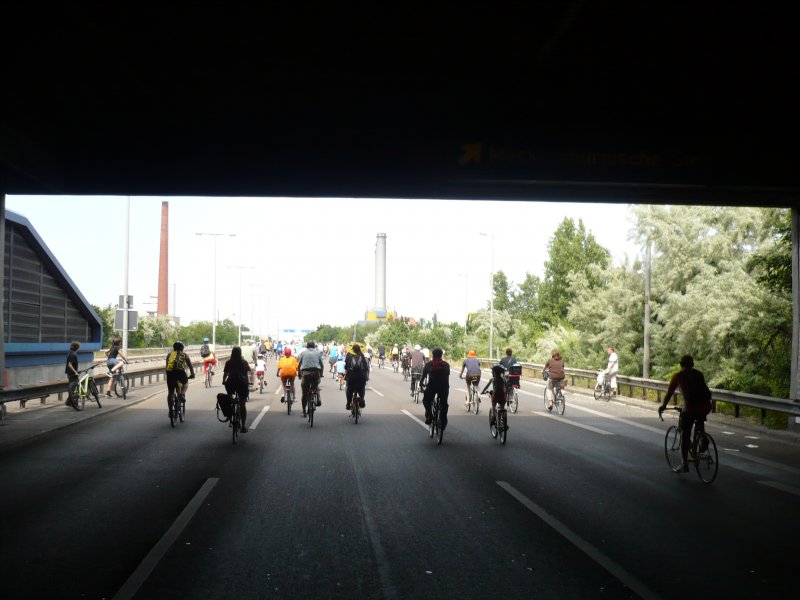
[(36, 309)]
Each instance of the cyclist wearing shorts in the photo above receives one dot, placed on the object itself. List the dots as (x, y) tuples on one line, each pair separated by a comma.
[(554, 368), (696, 405), (208, 355), (177, 363), (437, 373), (473, 369), (311, 371), (287, 370), (115, 359), (333, 356)]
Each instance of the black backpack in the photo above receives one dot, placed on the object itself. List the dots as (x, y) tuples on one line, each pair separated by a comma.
[(205, 350), (356, 363)]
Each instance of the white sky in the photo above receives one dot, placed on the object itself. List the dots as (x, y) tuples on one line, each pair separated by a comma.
[(310, 261)]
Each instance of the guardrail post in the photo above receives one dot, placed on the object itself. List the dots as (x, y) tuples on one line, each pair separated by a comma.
[(736, 410)]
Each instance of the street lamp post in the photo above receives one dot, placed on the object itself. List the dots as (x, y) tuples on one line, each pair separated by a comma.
[(491, 296), (214, 318), (241, 270)]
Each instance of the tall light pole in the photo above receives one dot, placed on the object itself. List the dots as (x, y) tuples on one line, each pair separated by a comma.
[(214, 319), (491, 297), (241, 270)]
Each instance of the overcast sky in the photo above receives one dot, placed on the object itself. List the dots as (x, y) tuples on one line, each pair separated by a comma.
[(308, 261)]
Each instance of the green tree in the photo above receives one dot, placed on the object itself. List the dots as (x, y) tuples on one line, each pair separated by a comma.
[(106, 315), (502, 291), (571, 250)]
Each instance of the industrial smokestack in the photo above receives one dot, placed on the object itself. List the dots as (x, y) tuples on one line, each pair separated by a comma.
[(380, 272), (163, 262)]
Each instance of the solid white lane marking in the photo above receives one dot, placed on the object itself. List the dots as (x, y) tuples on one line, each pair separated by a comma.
[(618, 419), (145, 568), (601, 559), (260, 416), (377, 392), (764, 461), (573, 423), (782, 487), (417, 419)]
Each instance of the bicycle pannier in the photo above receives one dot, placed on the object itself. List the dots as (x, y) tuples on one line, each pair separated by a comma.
[(225, 404)]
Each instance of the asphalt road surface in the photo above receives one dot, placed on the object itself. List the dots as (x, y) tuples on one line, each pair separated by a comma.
[(582, 505)]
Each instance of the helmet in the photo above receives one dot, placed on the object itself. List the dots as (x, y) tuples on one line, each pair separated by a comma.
[(498, 369), (177, 345), (417, 347), (471, 354), (260, 355), (287, 351), (206, 340)]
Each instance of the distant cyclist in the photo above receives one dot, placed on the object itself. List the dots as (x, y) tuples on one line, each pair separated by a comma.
[(554, 367), (177, 363), (417, 363), (208, 355), (473, 368), (509, 359), (437, 374), (498, 385), (696, 405), (333, 356), (115, 359)]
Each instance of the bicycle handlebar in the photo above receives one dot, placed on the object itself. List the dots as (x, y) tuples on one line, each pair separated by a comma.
[(661, 416)]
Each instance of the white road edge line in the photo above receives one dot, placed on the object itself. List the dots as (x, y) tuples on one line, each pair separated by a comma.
[(377, 392), (618, 419), (145, 568), (573, 423), (417, 419), (781, 486), (601, 559), (260, 416)]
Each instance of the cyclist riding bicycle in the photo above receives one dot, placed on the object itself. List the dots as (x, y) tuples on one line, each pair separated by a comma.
[(115, 359), (235, 378), (696, 405), (473, 369), (341, 367), (356, 375), (208, 355), (382, 352), (437, 373), (498, 385), (287, 370), (177, 363), (261, 367), (554, 368), (417, 363), (395, 353), (333, 356), (311, 371)]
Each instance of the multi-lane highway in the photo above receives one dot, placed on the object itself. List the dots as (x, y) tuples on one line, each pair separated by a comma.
[(579, 505)]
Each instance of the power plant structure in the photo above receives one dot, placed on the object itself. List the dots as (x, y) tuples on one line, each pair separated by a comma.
[(163, 263), (379, 311)]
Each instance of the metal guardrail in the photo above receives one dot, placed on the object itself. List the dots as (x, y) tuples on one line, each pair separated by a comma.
[(60, 388), (638, 387)]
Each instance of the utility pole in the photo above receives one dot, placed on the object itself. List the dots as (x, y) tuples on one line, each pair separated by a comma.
[(646, 344)]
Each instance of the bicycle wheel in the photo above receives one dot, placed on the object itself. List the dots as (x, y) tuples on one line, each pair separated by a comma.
[(311, 407), (493, 423), (354, 408), (513, 401), (560, 403), (598, 392), (261, 386), (180, 406), (235, 420), (289, 399), (502, 429), (547, 408), (707, 462), (439, 430), (672, 446), (477, 401), (78, 401), (94, 392), (171, 404), (115, 386)]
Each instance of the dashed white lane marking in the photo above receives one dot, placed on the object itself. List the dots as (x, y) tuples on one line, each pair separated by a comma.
[(782, 487), (573, 423), (260, 416), (145, 568), (377, 392), (618, 419), (601, 559), (417, 419), (764, 461)]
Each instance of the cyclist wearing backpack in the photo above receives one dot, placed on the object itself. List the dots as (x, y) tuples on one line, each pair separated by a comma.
[(356, 375), (208, 355), (177, 363), (437, 373), (696, 405)]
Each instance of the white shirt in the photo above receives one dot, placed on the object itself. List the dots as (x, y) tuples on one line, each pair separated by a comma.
[(613, 363)]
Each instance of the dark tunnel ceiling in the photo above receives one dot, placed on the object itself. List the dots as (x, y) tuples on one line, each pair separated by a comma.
[(691, 102)]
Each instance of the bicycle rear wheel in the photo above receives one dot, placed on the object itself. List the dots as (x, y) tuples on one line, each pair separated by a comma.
[(513, 401), (493, 423), (439, 430), (288, 398), (707, 461), (94, 392), (235, 420), (672, 446), (172, 415), (311, 408), (547, 408), (598, 392), (181, 407), (560, 403), (354, 407), (502, 429)]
